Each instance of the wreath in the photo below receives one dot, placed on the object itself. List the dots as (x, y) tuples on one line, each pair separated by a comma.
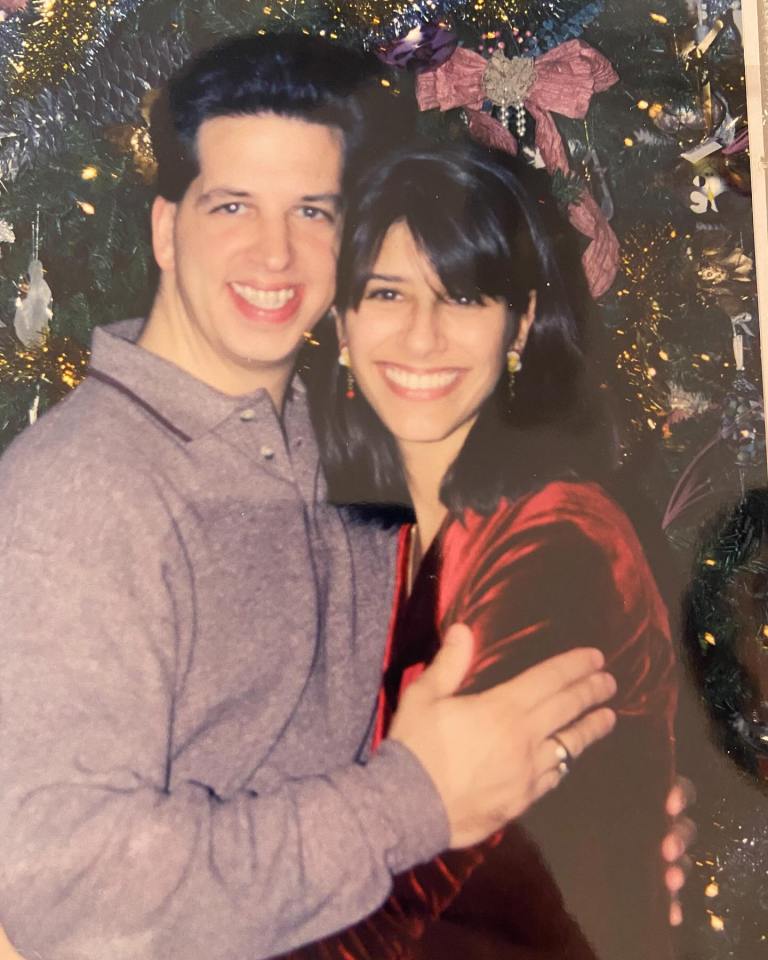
[(725, 628)]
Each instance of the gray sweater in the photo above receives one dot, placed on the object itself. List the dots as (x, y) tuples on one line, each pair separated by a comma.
[(190, 651)]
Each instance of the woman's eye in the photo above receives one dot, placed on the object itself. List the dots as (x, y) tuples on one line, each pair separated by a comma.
[(383, 293), (466, 301)]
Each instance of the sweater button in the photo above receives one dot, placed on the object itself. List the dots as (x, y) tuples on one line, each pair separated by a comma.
[(267, 452), (248, 414)]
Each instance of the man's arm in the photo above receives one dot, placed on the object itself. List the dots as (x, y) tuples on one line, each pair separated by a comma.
[(109, 848), (109, 851)]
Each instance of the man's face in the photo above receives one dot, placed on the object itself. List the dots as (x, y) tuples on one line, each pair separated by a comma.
[(248, 256)]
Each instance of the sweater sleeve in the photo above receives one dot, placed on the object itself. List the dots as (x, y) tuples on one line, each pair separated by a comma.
[(106, 851)]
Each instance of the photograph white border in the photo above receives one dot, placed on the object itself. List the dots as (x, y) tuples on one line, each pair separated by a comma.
[(755, 14)]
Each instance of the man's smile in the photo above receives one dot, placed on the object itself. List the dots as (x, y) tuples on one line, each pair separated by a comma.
[(273, 305), (264, 297)]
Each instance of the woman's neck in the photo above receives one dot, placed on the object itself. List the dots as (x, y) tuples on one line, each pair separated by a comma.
[(425, 466)]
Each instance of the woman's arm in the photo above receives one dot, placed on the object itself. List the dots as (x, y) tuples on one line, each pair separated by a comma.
[(531, 580)]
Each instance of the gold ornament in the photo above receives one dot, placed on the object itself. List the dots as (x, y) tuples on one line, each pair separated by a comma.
[(143, 155), (508, 82), (134, 139), (726, 275)]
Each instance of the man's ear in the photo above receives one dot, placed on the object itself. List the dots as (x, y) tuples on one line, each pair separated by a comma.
[(163, 220), (525, 324)]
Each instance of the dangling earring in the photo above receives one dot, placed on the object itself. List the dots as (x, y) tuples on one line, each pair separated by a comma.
[(344, 361), (514, 365)]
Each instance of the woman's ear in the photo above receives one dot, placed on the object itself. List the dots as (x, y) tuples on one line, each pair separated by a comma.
[(163, 220), (525, 324), (339, 324)]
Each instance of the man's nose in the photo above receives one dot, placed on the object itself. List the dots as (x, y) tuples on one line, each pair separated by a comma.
[(273, 246)]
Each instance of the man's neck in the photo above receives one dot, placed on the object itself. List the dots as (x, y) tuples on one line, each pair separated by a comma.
[(174, 342)]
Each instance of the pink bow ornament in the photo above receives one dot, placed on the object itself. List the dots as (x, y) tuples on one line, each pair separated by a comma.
[(561, 81)]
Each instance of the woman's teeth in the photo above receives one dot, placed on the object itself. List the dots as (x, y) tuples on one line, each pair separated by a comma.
[(420, 381), (264, 299)]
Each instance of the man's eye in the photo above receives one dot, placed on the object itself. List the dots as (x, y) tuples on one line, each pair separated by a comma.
[(317, 213), (232, 207)]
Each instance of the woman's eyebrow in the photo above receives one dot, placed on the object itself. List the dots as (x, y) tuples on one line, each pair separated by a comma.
[(387, 278)]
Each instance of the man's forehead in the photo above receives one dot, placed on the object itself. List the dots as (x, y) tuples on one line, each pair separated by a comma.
[(242, 152), (260, 128)]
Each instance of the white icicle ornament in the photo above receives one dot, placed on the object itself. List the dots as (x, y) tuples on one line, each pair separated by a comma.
[(33, 311), (6, 232)]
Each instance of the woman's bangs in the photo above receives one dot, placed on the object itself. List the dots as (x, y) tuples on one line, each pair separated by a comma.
[(468, 224), (463, 241)]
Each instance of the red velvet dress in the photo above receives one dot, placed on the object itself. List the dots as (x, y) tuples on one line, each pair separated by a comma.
[(580, 876)]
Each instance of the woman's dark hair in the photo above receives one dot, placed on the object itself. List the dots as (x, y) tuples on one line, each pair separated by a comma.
[(291, 75), (489, 227)]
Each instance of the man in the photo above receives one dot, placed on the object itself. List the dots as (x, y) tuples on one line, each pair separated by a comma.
[(192, 639)]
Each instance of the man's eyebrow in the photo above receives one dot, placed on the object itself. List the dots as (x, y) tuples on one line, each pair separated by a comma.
[(332, 198), (220, 192)]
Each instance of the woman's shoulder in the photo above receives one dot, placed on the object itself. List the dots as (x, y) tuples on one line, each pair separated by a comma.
[(564, 524), (559, 509), (565, 554), (583, 505)]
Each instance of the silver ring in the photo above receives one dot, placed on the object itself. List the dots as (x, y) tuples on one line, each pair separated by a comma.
[(562, 755)]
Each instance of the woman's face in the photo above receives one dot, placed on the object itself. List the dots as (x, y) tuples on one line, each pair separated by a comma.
[(424, 361)]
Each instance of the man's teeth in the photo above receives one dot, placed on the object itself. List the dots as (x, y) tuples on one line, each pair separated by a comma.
[(420, 381), (264, 299)]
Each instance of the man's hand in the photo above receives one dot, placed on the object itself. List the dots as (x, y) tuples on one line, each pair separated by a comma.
[(491, 755)]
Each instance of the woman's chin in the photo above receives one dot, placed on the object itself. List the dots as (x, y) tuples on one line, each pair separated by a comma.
[(419, 432)]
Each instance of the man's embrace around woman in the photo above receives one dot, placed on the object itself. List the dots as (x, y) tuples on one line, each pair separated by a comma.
[(193, 638)]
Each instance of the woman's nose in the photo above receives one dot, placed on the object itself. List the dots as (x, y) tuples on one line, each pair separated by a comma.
[(424, 334)]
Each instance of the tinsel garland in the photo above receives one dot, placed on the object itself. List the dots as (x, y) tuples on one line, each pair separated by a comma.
[(54, 40), (533, 25), (109, 91)]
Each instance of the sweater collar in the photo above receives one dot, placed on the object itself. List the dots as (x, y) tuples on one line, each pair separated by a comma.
[(185, 404)]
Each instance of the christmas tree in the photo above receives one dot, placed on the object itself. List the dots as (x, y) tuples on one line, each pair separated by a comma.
[(657, 156), (662, 151)]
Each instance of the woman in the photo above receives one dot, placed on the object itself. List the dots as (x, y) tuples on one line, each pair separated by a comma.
[(465, 396)]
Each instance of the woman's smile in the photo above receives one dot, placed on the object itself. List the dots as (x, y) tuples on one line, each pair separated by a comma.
[(420, 384)]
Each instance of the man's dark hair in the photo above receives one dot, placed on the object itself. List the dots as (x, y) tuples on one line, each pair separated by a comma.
[(489, 227), (290, 75)]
